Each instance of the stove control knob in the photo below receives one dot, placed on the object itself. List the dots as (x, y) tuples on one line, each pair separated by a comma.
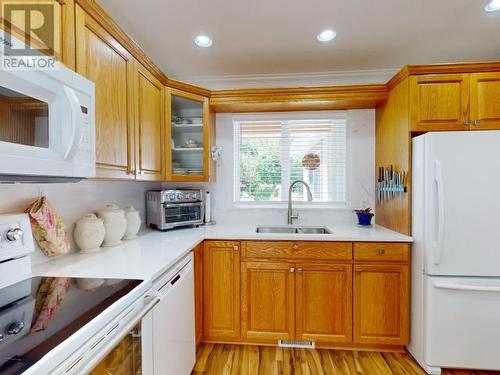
[(14, 234), (15, 327), (171, 197), (180, 196)]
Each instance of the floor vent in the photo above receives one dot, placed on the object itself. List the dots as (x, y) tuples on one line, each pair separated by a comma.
[(296, 344)]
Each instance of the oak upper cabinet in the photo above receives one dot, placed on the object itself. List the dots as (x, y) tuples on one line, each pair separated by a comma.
[(381, 304), (267, 301), (100, 58), (485, 101), (439, 102), (324, 302), (149, 137), (221, 289), (190, 135), (198, 292)]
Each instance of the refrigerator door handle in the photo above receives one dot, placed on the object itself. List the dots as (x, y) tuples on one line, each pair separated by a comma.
[(474, 288), (438, 178)]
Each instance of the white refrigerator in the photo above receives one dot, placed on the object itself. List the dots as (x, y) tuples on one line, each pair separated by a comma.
[(456, 252)]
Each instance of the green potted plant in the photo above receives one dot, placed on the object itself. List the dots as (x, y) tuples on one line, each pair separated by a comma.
[(364, 216)]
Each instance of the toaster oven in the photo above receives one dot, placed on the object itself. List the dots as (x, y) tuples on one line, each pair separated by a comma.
[(167, 209)]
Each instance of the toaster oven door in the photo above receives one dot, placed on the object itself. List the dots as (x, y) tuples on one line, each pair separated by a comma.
[(176, 214)]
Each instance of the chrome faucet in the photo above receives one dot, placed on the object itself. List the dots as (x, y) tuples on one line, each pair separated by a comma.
[(291, 215)]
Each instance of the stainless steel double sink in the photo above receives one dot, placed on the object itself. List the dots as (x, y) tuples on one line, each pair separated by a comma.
[(293, 229)]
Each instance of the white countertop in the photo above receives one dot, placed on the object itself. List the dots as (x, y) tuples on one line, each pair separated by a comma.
[(154, 252)]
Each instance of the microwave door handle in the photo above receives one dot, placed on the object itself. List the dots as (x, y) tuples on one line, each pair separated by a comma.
[(76, 123)]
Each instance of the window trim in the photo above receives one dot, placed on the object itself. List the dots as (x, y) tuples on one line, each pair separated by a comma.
[(288, 116)]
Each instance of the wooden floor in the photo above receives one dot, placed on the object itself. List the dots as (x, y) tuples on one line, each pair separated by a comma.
[(218, 359)]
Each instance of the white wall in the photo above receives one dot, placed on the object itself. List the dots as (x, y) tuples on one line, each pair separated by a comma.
[(360, 177), (73, 200)]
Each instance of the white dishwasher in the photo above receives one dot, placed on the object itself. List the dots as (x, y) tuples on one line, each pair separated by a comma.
[(171, 324)]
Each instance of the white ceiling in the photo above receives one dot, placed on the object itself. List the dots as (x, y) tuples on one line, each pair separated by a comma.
[(277, 38)]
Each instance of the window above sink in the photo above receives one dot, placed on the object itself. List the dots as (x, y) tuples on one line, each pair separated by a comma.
[(271, 150)]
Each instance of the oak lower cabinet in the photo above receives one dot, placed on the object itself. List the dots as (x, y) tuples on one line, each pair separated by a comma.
[(221, 289), (198, 292), (267, 300), (381, 304), (288, 301), (324, 302), (336, 294)]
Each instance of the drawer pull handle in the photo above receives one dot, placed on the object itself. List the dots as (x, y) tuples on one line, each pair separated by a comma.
[(295, 246), (299, 270), (292, 270), (381, 251), (359, 270)]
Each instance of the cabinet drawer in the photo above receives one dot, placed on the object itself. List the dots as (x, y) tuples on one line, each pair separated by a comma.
[(297, 250), (383, 251)]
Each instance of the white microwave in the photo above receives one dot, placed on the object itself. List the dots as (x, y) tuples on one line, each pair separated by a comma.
[(47, 124)]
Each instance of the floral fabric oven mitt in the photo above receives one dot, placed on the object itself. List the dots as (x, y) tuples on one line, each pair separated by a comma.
[(48, 229)]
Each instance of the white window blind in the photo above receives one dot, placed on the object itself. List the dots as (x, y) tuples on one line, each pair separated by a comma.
[(269, 155)]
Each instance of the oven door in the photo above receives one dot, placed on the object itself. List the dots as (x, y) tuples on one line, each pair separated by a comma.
[(118, 349), (126, 356), (175, 214)]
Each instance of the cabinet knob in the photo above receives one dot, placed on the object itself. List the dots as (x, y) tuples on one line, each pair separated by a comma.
[(359, 270), (299, 269), (292, 269), (295, 246), (236, 247), (468, 122), (477, 122), (381, 251)]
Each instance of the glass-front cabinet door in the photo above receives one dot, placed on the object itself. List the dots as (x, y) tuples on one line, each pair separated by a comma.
[(189, 143)]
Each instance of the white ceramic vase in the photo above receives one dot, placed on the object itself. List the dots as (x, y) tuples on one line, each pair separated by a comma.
[(133, 222), (115, 224), (89, 233)]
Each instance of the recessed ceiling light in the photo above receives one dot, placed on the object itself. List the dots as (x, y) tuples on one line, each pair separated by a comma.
[(326, 35), (203, 41), (493, 6)]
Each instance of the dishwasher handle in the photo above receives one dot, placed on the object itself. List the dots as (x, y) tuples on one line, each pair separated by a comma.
[(173, 282), (175, 279)]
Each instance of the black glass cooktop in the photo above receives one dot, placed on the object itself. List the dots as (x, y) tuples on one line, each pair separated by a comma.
[(39, 313)]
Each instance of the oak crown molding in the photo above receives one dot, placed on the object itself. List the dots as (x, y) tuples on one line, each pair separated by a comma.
[(288, 80)]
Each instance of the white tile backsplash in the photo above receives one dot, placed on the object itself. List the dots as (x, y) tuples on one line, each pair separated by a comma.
[(73, 200)]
